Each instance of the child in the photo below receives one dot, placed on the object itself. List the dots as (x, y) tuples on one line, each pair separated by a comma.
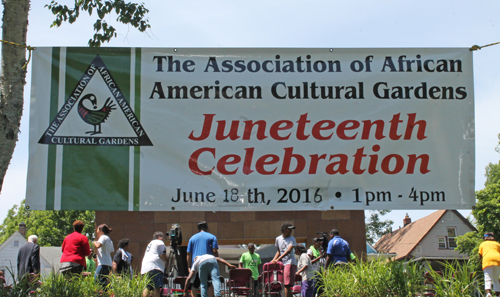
[(306, 270)]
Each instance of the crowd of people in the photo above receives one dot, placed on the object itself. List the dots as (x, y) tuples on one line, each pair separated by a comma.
[(202, 259)]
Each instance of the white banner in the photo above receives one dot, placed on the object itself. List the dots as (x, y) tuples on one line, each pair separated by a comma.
[(251, 129)]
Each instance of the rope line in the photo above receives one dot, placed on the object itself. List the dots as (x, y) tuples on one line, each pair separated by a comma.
[(29, 48), (477, 47)]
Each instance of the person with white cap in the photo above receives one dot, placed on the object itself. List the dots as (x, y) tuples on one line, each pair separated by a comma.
[(305, 270)]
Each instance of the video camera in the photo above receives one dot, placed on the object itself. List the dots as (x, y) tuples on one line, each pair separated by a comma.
[(175, 235), (324, 240)]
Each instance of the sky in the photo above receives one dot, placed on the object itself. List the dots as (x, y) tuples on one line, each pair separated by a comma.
[(297, 24)]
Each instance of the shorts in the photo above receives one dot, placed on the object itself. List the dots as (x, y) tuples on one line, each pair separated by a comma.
[(156, 279), (289, 274)]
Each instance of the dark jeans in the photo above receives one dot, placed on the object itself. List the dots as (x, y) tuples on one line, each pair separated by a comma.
[(102, 274)]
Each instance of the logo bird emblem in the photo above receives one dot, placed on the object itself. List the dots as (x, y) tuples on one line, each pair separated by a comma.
[(97, 116)]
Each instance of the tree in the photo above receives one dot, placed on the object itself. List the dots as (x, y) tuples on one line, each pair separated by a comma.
[(486, 213), (51, 226), (375, 228), (13, 72)]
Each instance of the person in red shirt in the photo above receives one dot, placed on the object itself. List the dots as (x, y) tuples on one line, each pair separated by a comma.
[(74, 248)]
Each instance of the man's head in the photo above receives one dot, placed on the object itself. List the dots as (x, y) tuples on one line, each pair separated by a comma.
[(78, 226), (489, 236), (33, 238), (123, 243), (202, 226), (286, 229), (158, 235), (251, 248), (317, 241), (334, 233)]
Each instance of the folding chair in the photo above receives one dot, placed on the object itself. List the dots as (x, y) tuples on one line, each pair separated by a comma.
[(174, 291), (297, 285), (272, 279), (240, 282)]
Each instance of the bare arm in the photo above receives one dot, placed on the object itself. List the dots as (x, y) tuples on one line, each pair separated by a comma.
[(97, 244), (328, 260), (188, 258), (115, 267), (190, 276), (302, 269), (276, 257), (215, 252), (225, 262), (288, 250), (316, 260), (163, 257), (240, 265)]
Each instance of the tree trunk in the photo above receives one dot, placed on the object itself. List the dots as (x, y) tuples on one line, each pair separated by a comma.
[(13, 78)]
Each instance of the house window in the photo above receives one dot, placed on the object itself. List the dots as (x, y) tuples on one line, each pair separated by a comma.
[(452, 233), (442, 242), (15, 243)]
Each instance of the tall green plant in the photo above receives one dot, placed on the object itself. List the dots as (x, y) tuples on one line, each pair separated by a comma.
[(457, 279), (58, 285), (373, 279), (122, 286)]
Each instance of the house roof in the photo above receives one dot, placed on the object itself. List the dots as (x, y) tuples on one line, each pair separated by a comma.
[(15, 235), (404, 240)]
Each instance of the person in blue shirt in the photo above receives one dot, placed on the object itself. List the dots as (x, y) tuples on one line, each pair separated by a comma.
[(202, 243), (338, 251)]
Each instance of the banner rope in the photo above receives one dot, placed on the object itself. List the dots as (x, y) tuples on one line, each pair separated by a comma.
[(29, 48), (477, 47)]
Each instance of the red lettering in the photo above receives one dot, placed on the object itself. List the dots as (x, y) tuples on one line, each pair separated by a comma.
[(301, 162), (228, 160), (207, 125), (393, 131), (347, 125), (233, 131), (301, 127), (424, 163), (400, 163), (341, 165), (193, 161), (278, 126), (314, 162), (263, 161), (379, 132), (321, 126), (411, 124)]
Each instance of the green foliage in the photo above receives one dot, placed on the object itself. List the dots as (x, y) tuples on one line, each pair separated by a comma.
[(15, 215), (375, 228), (58, 285), (486, 213), (457, 280), (372, 279), (21, 287), (127, 13), (51, 226)]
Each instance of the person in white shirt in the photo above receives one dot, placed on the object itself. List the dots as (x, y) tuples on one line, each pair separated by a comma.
[(103, 248), (153, 264), (206, 265), (305, 270), (285, 243)]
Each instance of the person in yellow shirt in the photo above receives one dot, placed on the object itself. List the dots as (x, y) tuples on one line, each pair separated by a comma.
[(489, 252)]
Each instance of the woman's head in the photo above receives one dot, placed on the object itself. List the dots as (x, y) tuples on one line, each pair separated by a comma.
[(78, 226), (123, 243), (104, 229)]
